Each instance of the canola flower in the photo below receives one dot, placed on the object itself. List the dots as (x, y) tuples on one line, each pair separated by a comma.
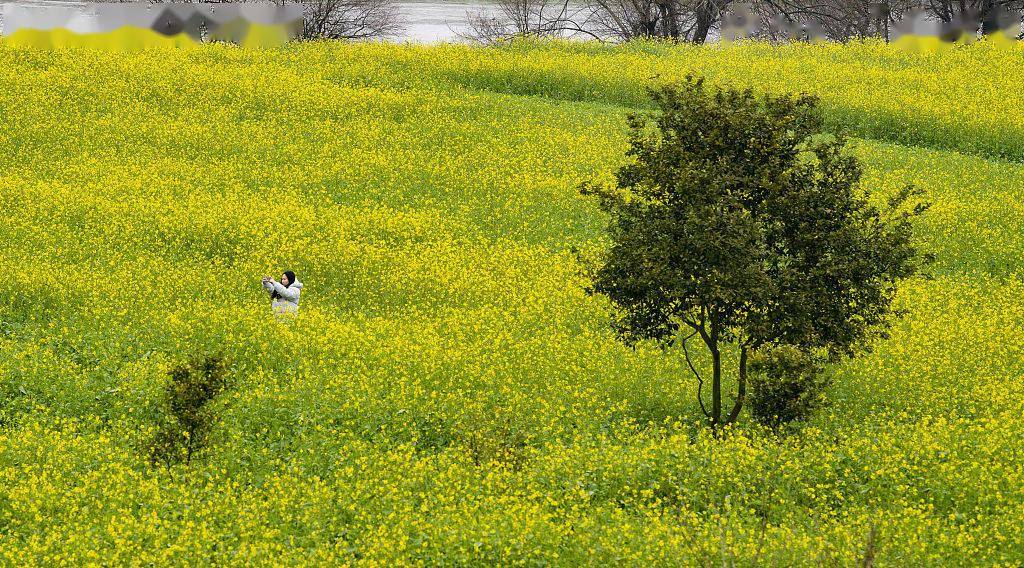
[(450, 395)]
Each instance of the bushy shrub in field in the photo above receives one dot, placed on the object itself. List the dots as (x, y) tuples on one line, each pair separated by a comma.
[(188, 417), (786, 384)]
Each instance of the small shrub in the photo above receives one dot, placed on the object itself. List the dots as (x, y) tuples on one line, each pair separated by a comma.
[(432, 433), (187, 420), (787, 384), (497, 441)]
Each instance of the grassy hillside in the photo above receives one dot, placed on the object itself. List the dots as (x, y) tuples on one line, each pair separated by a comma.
[(450, 395)]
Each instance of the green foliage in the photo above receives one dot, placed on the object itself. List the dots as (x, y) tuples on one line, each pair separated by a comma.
[(740, 221), (786, 384), (185, 426)]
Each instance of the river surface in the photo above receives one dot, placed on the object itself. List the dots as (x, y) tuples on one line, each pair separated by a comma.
[(436, 21), (424, 21)]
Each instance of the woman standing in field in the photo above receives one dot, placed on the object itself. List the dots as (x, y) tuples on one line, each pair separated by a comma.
[(284, 295)]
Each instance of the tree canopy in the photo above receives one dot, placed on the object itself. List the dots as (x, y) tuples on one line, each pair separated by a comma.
[(740, 221)]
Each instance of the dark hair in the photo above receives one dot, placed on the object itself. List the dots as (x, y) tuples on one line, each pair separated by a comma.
[(291, 280)]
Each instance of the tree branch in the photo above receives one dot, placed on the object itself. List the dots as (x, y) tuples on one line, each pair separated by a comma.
[(700, 381), (741, 393)]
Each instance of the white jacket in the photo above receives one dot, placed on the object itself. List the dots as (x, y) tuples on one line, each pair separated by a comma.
[(287, 301)]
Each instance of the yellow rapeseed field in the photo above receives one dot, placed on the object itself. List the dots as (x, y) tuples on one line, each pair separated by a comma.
[(450, 394)]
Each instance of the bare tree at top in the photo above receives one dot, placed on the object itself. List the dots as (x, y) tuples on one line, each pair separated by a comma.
[(350, 19), (527, 18)]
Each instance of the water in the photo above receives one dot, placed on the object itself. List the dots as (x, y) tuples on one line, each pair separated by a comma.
[(424, 21), (436, 21)]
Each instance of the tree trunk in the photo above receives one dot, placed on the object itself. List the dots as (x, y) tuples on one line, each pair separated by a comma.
[(989, 17), (882, 24), (741, 392), (716, 386), (673, 21), (663, 16), (705, 17), (669, 19)]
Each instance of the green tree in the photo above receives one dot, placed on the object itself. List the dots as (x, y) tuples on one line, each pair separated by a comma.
[(740, 222)]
